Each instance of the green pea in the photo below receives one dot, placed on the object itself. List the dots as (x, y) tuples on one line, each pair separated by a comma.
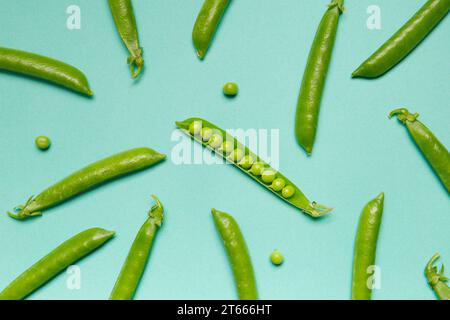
[(42, 142), (268, 175), (278, 184), (257, 169), (237, 155), (230, 89), (195, 128), (227, 147), (276, 257), (246, 162), (288, 191), (206, 134), (216, 140)]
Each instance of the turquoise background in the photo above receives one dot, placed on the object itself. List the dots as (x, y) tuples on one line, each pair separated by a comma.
[(262, 45)]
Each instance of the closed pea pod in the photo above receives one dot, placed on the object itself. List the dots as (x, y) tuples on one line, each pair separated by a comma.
[(404, 40), (93, 175), (252, 165), (137, 258), (238, 255), (314, 77), (56, 261), (206, 24), (433, 150), (123, 14), (44, 68), (365, 248), (437, 280)]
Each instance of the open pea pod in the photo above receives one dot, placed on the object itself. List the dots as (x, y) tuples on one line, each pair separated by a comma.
[(229, 148)]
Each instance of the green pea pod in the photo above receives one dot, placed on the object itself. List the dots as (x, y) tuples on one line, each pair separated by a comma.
[(123, 14), (93, 175), (297, 199), (206, 24), (314, 78), (44, 68), (365, 248), (56, 261), (238, 255), (437, 280), (404, 40), (137, 258), (433, 150)]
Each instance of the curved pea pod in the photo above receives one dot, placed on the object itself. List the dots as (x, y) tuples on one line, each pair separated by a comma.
[(137, 258), (56, 261), (295, 197), (238, 255), (433, 150), (91, 176), (366, 247), (437, 280), (44, 68), (404, 40), (206, 24), (314, 77), (123, 14)]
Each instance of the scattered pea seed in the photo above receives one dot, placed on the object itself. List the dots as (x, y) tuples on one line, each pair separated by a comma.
[(246, 162), (227, 147), (278, 184), (230, 89), (42, 142), (268, 175), (195, 127), (237, 155), (276, 258), (216, 140), (257, 169), (206, 134), (288, 191)]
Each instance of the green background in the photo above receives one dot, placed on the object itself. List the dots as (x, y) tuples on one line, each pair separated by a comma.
[(262, 45)]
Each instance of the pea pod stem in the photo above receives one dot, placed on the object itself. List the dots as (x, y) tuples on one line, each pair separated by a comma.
[(123, 14), (137, 258), (44, 68), (434, 151), (436, 279), (87, 178), (238, 255), (298, 200), (314, 77), (408, 37), (206, 24), (56, 261), (365, 247)]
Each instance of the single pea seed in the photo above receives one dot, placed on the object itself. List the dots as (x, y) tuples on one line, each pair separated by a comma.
[(276, 257), (230, 89), (278, 184), (268, 175), (227, 147), (206, 134), (247, 162), (215, 141), (42, 142), (195, 127), (257, 169), (288, 191), (237, 155)]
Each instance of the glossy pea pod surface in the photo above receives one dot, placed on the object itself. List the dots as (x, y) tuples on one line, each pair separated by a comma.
[(298, 199), (44, 68), (56, 261), (137, 258), (404, 40), (123, 14), (314, 77), (238, 255), (87, 178), (433, 150), (206, 24), (437, 280), (365, 248)]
